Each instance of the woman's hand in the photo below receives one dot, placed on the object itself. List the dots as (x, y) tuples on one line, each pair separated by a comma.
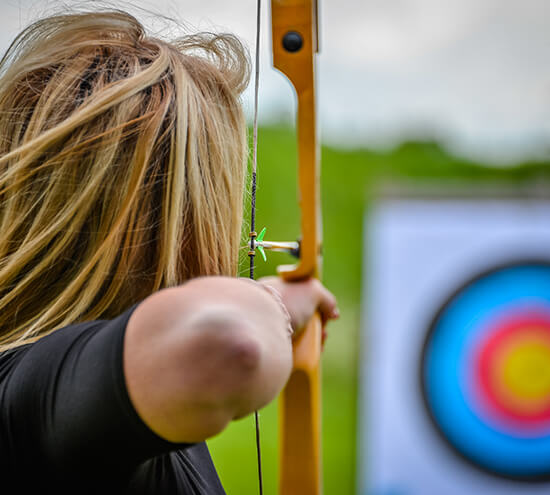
[(303, 299)]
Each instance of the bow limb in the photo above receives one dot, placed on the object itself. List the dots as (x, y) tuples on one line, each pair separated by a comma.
[(294, 35)]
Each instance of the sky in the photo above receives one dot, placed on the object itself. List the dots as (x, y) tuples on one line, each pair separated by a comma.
[(472, 74)]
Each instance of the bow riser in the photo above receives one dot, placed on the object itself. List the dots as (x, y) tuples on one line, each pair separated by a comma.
[(300, 404)]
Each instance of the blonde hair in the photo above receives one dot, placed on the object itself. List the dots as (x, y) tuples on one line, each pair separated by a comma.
[(122, 164)]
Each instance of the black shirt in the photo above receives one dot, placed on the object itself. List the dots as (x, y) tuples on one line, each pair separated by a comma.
[(67, 424)]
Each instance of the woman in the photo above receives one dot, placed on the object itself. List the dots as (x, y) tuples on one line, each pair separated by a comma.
[(125, 338)]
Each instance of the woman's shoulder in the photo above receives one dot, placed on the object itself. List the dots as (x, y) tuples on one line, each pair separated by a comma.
[(56, 346)]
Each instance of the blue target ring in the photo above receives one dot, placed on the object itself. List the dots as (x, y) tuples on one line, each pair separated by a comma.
[(465, 327)]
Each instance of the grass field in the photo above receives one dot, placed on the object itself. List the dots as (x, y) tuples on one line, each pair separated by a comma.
[(348, 181)]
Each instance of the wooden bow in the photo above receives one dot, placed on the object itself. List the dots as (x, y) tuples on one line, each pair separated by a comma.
[(294, 37)]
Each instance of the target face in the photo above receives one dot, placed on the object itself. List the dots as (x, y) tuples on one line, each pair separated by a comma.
[(486, 371)]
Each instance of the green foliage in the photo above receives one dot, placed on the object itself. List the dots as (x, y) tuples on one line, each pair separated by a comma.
[(348, 182)]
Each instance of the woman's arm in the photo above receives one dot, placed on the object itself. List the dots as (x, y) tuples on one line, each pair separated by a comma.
[(202, 354)]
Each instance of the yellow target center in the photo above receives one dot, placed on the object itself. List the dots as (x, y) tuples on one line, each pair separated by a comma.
[(526, 372)]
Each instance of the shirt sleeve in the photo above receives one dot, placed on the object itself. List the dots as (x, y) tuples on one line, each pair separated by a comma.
[(68, 408)]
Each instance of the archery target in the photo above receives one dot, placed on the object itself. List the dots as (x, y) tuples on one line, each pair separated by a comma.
[(486, 371), (455, 349)]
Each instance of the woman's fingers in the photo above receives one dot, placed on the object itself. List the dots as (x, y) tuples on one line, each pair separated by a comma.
[(327, 305)]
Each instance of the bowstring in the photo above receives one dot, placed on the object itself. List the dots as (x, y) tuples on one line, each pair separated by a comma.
[(253, 234)]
